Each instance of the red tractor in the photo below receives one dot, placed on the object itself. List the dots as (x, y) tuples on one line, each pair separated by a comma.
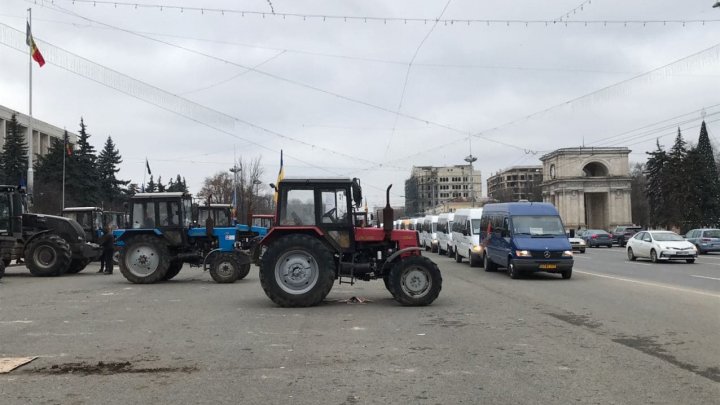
[(318, 237)]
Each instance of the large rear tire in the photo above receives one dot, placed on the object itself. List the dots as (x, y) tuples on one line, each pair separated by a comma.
[(173, 269), (48, 256), (415, 281), (225, 268), (144, 260), (77, 265), (297, 271)]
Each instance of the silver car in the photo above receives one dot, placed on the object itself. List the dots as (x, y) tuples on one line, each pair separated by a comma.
[(660, 245)]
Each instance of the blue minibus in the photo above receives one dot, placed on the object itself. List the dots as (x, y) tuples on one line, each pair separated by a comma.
[(525, 237)]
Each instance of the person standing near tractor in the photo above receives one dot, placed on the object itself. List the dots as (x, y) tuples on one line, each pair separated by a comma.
[(107, 242)]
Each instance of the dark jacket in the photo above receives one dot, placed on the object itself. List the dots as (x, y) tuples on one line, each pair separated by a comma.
[(107, 241)]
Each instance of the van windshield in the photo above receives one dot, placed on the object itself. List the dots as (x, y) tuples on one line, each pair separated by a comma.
[(537, 225)]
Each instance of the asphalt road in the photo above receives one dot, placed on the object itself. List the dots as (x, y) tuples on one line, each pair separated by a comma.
[(617, 332)]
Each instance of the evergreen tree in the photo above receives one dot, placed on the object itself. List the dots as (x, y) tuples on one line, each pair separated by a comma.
[(676, 177), (656, 186), (88, 176), (13, 159), (184, 185), (706, 190), (111, 189), (160, 185), (132, 189), (151, 186), (170, 186)]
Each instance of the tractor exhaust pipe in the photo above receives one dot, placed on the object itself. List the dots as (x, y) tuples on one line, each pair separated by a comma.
[(388, 216)]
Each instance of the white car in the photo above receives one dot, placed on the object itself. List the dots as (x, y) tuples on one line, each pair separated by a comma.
[(660, 245), (578, 244)]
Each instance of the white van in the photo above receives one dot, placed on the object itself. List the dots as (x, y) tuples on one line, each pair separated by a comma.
[(466, 236), (428, 233), (444, 233)]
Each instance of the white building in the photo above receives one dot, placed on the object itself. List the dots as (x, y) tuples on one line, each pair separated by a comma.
[(430, 186), (42, 131)]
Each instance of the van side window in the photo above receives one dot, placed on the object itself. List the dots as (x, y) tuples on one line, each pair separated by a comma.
[(506, 226)]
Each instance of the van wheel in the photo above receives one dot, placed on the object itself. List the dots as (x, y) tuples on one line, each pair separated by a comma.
[(488, 264), (512, 271), (566, 274), (473, 260), (458, 258)]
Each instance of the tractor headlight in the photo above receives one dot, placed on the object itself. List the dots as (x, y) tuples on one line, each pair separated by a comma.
[(523, 253), (568, 253)]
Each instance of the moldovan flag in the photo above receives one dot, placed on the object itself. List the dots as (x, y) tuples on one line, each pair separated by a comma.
[(281, 175), (36, 55)]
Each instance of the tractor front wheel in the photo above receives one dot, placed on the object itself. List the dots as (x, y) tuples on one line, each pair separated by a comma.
[(48, 255), (225, 268), (297, 271), (415, 281), (144, 260)]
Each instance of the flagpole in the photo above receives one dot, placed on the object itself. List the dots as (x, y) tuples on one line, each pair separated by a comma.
[(30, 118)]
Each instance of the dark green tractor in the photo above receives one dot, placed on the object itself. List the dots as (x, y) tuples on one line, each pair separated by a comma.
[(49, 245)]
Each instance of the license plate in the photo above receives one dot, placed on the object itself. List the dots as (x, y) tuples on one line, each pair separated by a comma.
[(548, 266)]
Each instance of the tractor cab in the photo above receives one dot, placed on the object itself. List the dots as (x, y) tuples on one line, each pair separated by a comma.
[(90, 219), (263, 220), (12, 206), (220, 213), (321, 205), (168, 214), (114, 219)]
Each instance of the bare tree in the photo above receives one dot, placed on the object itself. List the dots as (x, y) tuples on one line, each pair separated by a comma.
[(248, 188), (218, 188)]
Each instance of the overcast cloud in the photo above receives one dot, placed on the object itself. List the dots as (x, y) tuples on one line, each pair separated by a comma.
[(471, 78)]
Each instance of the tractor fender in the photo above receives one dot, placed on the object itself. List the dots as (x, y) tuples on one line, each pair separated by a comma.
[(33, 237), (242, 257), (400, 252), (128, 233)]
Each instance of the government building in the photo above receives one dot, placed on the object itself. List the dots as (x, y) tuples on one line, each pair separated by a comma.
[(42, 131)]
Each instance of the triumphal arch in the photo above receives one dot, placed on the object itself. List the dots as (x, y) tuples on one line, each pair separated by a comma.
[(589, 186)]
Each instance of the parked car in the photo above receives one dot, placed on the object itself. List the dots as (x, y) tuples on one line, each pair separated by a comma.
[(577, 243), (595, 237), (705, 240), (623, 233), (660, 245)]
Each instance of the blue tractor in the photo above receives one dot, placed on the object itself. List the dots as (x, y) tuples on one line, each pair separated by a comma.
[(162, 236)]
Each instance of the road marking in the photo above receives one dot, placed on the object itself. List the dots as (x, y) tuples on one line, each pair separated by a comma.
[(649, 284), (642, 264), (712, 264), (709, 278)]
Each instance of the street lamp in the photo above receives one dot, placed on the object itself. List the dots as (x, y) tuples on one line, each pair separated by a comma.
[(235, 170), (472, 159)]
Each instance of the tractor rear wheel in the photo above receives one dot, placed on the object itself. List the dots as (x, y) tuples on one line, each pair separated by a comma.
[(173, 269), (225, 268), (297, 271), (144, 260), (415, 281), (77, 265), (48, 255)]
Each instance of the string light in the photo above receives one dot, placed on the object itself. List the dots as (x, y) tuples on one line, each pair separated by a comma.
[(403, 20)]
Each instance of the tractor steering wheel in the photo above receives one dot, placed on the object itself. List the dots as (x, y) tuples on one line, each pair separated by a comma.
[(330, 215)]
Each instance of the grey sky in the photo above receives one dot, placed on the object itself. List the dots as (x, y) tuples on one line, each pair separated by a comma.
[(469, 78)]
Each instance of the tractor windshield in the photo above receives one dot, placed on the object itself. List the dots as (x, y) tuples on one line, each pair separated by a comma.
[(144, 215), (299, 209)]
